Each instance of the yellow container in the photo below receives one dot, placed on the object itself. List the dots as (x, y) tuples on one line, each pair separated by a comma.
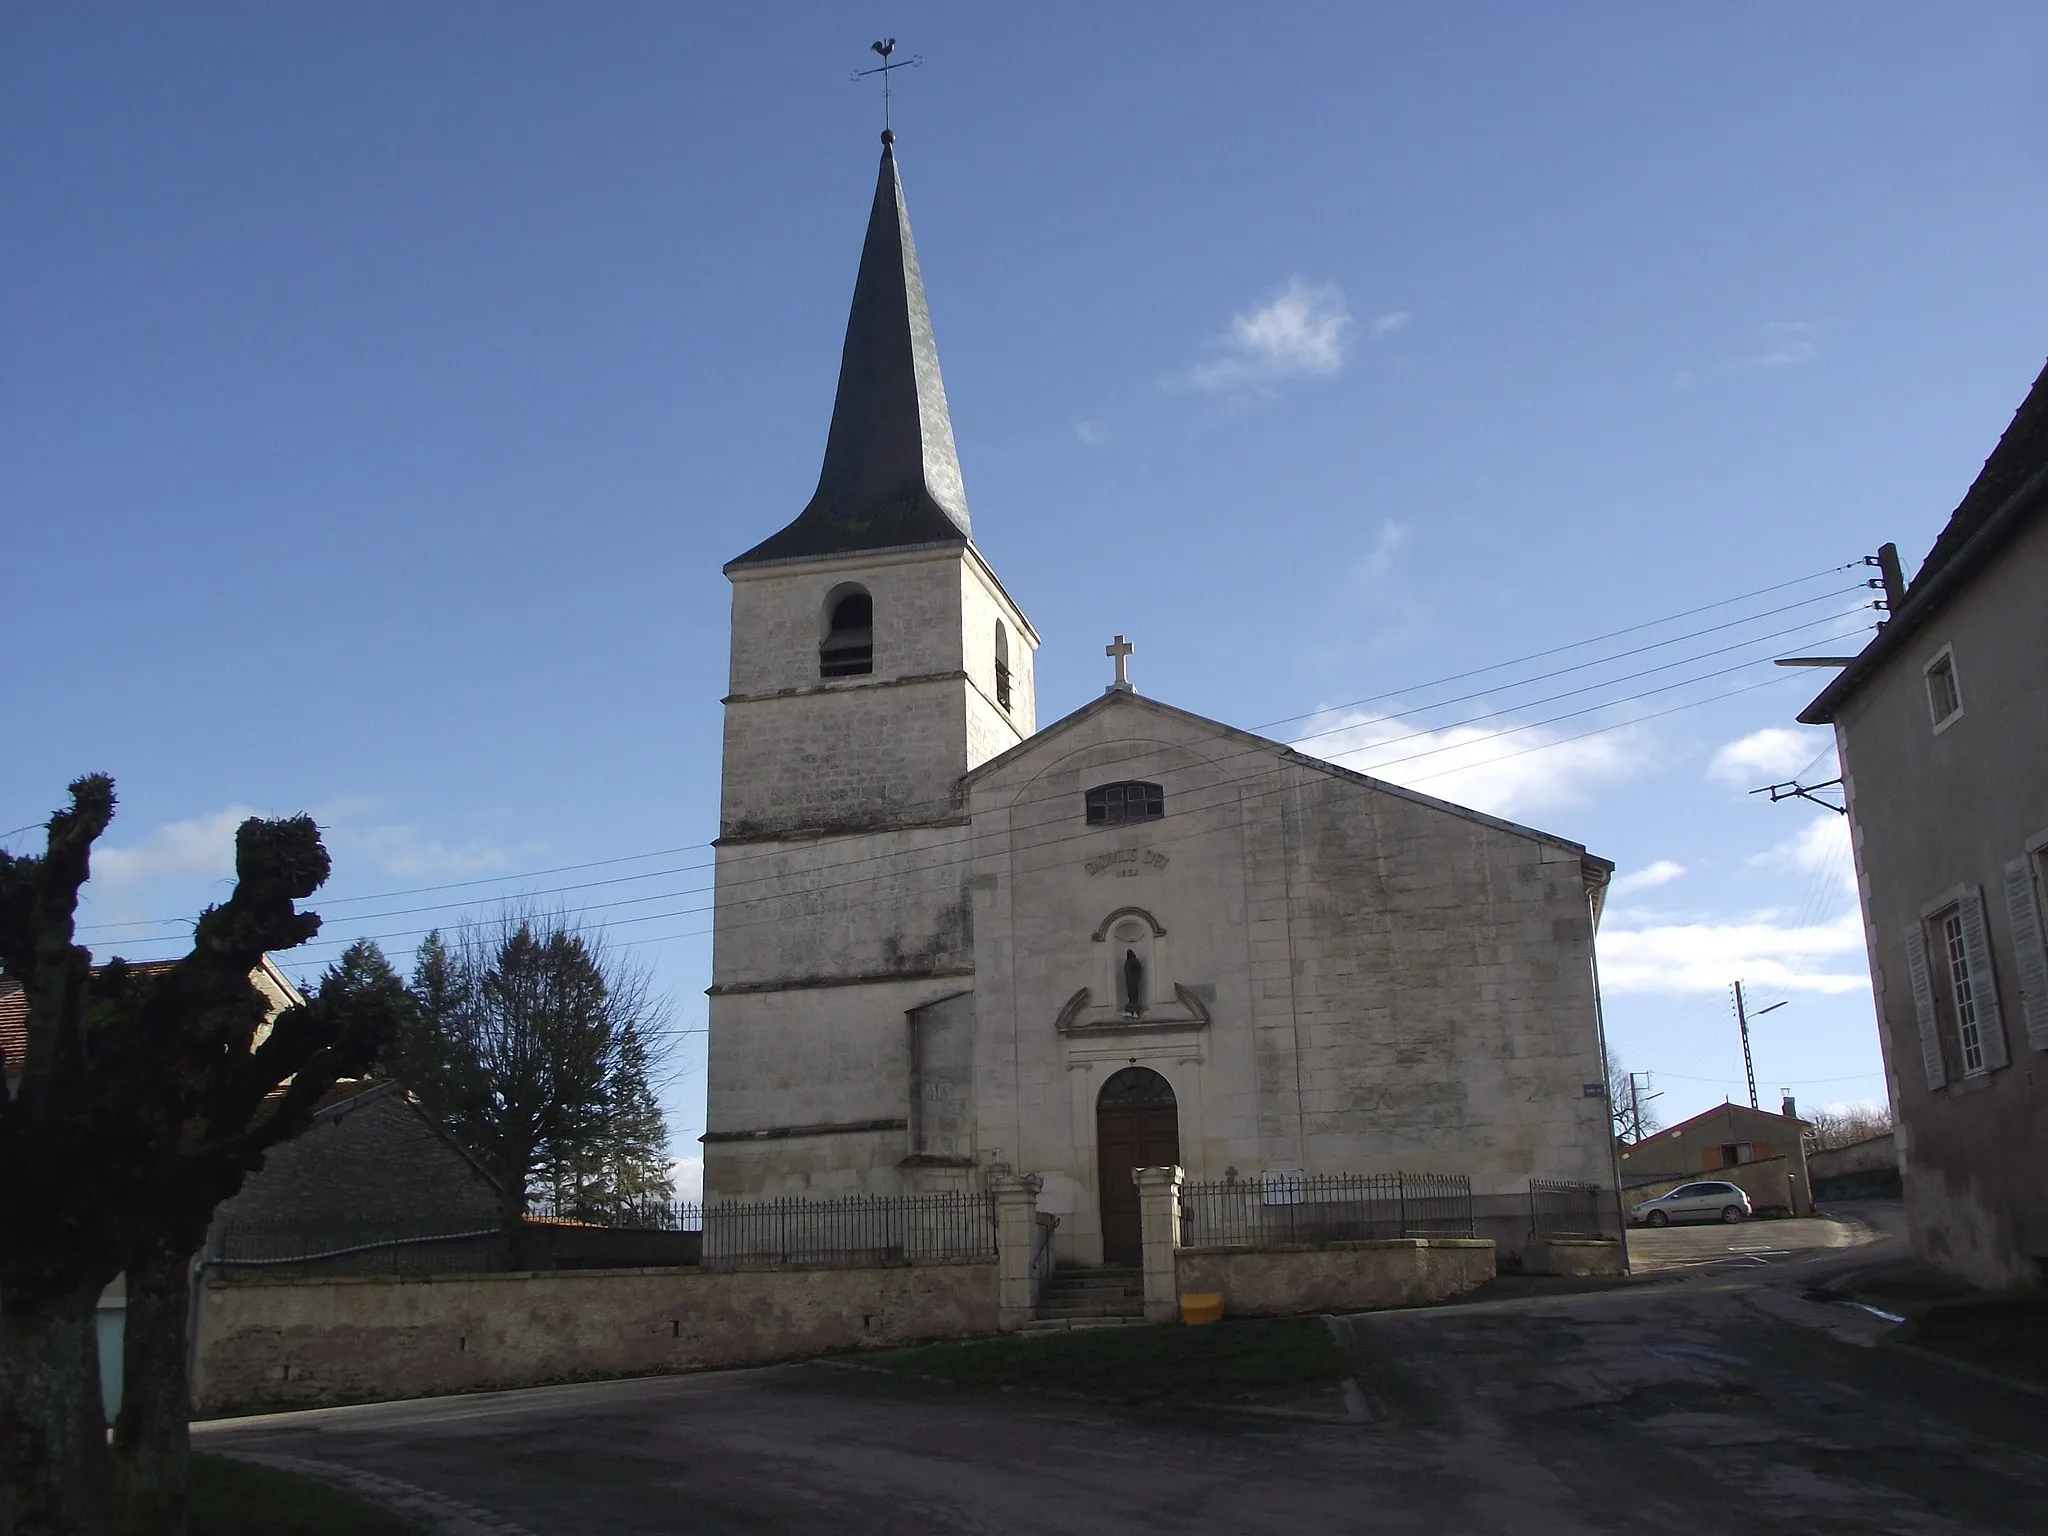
[(1201, 1307)]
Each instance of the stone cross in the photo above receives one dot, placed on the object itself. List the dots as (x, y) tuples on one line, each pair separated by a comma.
[(1119, 653)]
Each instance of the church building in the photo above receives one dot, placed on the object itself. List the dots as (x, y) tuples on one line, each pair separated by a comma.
[(949, 941)]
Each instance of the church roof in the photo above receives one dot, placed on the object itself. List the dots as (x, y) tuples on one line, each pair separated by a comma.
[(892, 476)]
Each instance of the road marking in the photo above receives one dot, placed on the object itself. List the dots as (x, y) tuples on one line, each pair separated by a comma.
[(439, 1514)]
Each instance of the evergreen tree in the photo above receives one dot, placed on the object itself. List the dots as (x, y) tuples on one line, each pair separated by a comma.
[(528, 1046)]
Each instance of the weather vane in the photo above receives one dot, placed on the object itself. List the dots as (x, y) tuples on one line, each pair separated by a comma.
[(886, 47)]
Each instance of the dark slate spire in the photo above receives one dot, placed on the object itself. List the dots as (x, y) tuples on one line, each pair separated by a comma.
[(891, 476)]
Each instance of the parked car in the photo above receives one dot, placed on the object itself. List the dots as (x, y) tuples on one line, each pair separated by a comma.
[(1708, 1200)]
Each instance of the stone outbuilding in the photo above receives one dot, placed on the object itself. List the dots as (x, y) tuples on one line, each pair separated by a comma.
[(1762, 1153)]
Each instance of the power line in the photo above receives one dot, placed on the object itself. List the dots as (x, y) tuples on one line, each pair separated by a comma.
[(1233, 790), (509, 879), (1260, 750)]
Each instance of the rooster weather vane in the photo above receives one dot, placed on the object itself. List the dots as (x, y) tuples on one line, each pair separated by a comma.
[(885, 48)]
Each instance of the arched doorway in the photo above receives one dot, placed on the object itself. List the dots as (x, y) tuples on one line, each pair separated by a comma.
[(1137, 1125)]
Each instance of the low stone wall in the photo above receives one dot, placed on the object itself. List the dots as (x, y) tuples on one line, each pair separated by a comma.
[(308, 1343), (1336, 1277), (1576, 1256)]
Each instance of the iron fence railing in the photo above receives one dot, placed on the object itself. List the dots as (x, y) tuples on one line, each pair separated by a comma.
[(852, 1230), (1274, 1209), (1042, 1229), (1565, 1208), (636, 1215)]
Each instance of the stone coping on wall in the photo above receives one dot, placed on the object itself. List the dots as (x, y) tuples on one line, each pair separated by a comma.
[(234, 1276), (1344, 1245)]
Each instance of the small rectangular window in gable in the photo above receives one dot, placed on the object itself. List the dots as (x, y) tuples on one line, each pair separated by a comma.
[(1113, 804), (1944, 693)]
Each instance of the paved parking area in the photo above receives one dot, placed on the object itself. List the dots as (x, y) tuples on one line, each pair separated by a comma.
[(1750, 1243), (1716, 1400)]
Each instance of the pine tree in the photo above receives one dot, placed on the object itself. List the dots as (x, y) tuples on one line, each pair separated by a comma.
[(528, 1047)]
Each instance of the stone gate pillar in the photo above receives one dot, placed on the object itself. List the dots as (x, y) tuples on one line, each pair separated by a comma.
[(1016, 1234), (1159, 1227)]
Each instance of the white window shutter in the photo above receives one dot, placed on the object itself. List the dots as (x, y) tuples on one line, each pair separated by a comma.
[(2028, 950), (1923, 1005), (1983, 984)]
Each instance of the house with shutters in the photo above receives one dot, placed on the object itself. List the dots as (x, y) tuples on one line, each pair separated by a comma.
[(1942, 725)]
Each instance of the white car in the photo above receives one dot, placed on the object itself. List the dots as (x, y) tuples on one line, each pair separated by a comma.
[(1708, 1200)]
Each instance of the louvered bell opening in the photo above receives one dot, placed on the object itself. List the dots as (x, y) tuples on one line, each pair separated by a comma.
[(849, 650)]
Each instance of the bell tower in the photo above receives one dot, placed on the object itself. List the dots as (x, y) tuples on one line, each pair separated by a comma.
[(876, 659)]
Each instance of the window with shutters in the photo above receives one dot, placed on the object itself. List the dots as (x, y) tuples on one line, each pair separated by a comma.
[(1962, 994), (1954, 990), (1944, 692), (2026, 905), (1002, 665)]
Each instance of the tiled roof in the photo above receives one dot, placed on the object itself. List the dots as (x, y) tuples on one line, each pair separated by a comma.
[(14, 1015)]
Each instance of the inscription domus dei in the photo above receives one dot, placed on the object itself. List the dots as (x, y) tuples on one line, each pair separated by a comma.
[(1128, 862)]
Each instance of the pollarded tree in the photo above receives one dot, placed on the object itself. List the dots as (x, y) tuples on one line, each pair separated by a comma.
[(144, 1099)]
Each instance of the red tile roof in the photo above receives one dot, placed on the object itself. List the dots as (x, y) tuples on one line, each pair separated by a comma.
[(14, 1015)]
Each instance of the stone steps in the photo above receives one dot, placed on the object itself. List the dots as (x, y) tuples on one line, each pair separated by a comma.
[(1065, 1324), (1092, 1298)]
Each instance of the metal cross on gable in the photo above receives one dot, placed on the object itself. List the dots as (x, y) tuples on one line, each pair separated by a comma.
[(1120, 652), (885, 48)]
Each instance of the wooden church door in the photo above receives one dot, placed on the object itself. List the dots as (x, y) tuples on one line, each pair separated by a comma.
[(1137, 1125)]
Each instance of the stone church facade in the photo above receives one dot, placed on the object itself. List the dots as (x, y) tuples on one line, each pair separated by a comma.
[(947, 941)]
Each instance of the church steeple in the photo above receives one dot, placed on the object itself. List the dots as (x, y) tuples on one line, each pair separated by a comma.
[(892, 476)]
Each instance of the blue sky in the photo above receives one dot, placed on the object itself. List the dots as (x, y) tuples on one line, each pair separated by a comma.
[(384, 387)]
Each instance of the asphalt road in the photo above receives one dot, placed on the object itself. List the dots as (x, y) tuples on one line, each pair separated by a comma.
[(1717, 1400)]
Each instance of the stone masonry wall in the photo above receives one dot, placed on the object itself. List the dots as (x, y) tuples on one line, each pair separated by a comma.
[(312, 1343), (1374, 981), (1341, 1277)]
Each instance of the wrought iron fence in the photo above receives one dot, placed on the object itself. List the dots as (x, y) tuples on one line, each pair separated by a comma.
[(1042, 1229), (1282, 1208), (1564, 1208), (851, 1231), (634, 1215)]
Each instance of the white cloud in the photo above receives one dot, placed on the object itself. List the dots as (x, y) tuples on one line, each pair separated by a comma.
[(1786, 344), (686, 1178), (1821, 848), (1092, 433), (1377, 566), (1790, 343), (1501, 772), (1300, 333), (1392, 321), (1705, 957), (201, 848), (1663, 872), (403, 853), (1773, 753)]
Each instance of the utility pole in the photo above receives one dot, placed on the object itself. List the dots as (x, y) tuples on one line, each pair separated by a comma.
[(1742, 1023)]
